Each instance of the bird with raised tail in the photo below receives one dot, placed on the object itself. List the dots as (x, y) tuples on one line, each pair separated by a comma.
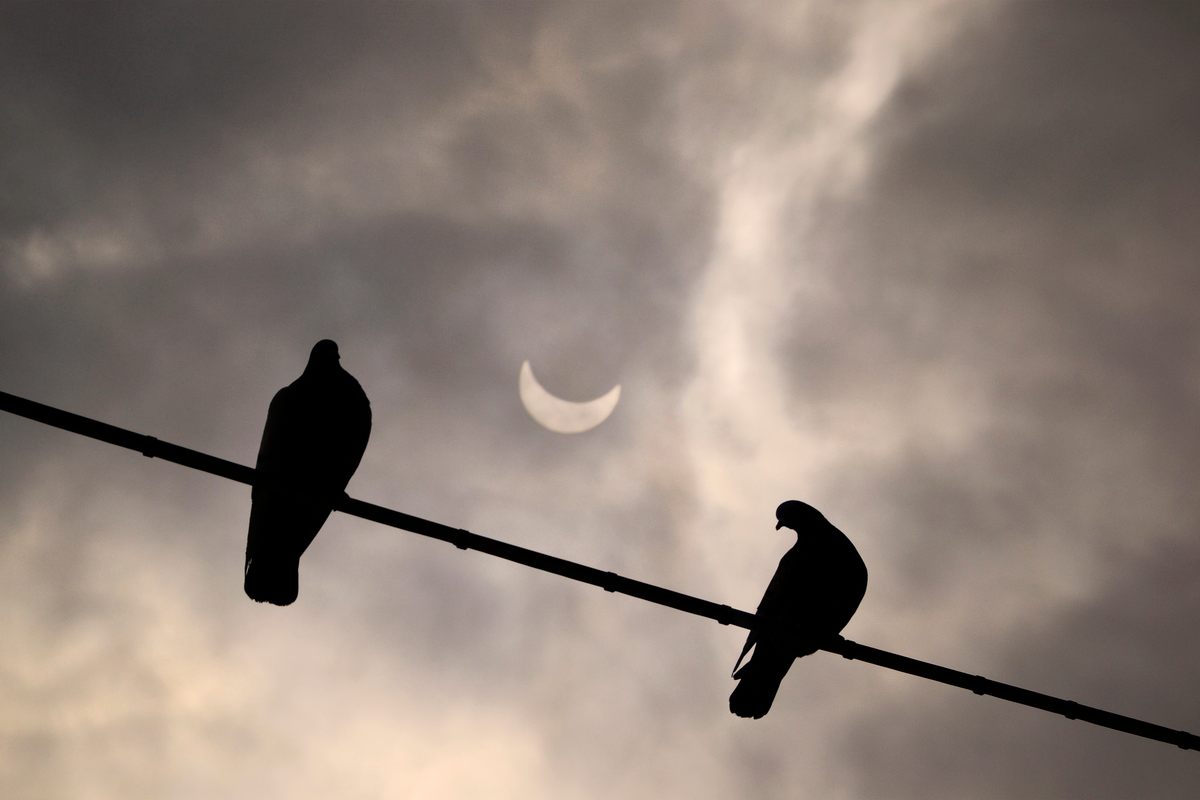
[(315, 436), (815, 591)]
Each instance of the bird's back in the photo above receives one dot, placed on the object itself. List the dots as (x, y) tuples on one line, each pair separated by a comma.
[(316, 432), (813, 594), (314, 438), (816, 588)]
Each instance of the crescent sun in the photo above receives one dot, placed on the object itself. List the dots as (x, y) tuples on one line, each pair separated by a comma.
[(563, 416)]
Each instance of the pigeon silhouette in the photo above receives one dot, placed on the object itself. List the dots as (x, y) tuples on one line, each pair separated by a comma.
[(316, 432), (815, 591)]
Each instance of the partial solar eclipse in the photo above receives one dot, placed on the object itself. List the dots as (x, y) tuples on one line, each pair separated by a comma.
[(563, 416)]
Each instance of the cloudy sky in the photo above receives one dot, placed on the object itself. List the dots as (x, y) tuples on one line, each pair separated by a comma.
[(929, 266)]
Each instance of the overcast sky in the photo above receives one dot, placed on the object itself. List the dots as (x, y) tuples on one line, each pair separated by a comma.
[(929, 266)]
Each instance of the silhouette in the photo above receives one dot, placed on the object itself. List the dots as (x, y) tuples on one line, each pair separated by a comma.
[(814, 593), (609, 581), (316, 432)]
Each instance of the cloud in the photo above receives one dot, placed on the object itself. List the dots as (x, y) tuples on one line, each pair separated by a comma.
[(928, 267)]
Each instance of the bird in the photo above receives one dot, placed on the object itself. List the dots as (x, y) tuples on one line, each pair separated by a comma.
[(314, 438), (816, 589)]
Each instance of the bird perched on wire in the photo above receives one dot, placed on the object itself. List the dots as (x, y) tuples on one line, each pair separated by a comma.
[(815, 591), (316, 432)]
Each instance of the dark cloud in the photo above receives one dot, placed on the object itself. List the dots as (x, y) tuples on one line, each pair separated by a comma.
[(191, 195), (1021, 243), (151, 85), (1017, 244), (1130, 648)]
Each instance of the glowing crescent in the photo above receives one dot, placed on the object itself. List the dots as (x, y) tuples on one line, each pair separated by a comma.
[(563, 416)]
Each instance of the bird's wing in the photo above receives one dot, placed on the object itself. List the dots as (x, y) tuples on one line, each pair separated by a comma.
[(773, 609), (780, 595), (356, 418), (751, 639), (278, 443), (812, 595)]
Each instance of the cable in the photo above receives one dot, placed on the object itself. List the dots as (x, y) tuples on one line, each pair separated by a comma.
[(609, 581)]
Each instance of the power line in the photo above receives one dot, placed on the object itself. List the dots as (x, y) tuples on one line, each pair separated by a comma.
[(609, 581)]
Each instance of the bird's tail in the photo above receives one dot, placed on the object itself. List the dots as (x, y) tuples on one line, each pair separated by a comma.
[(759, 678), (270, 580), (755, 692), (272, 571)]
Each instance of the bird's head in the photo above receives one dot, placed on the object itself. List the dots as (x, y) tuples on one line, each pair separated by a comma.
[(324, 355), (797, 515)]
